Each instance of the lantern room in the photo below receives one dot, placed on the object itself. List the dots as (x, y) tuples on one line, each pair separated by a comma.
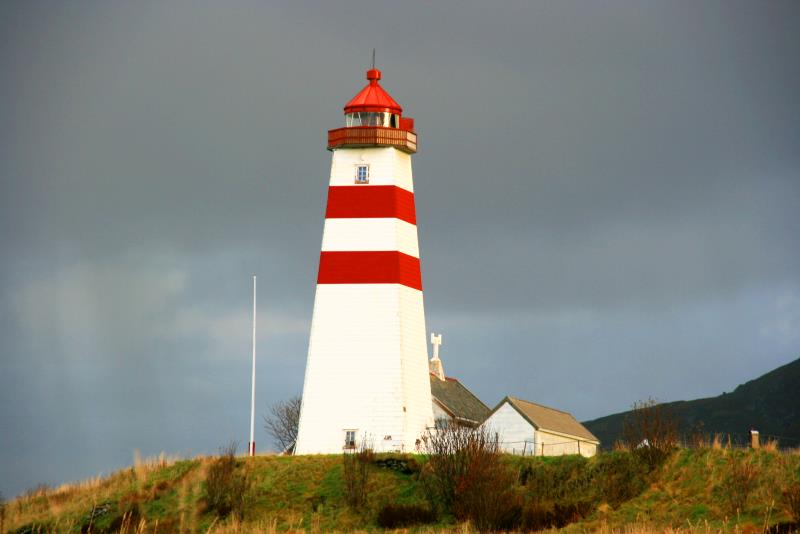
[(374, 119)]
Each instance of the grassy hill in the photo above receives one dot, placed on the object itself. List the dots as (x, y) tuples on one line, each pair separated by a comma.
[(770, 404), (692, 492)]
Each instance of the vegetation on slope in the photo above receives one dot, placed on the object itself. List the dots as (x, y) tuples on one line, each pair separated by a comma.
[(708, 488), (715, 489), (770, 404)]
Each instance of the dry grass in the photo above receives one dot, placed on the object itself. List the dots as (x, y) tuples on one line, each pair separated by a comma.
[(61, 506), (164, 494), (271, 527)]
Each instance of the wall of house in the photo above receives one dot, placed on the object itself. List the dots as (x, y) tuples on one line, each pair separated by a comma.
[(515, 433), (518, 436), (549, 444), (439, 413)]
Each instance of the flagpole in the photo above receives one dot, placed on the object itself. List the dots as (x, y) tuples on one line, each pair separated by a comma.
[(252, 444)]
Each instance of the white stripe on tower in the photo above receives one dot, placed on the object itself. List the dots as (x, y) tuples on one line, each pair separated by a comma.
[(386, 171), (370, 234)]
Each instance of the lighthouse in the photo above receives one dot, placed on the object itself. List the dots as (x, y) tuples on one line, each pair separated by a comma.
[(367, 378)]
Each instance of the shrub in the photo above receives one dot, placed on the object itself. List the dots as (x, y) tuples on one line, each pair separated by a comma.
[(740, 482), (225, 487), (541, 515), (650, 432), (565, 489), (538, 515), (791, 498), (557, 479), (466, 475), (355, 470), (404, 515), (617, 477), (486, 496), (454, 453), (571, 511)]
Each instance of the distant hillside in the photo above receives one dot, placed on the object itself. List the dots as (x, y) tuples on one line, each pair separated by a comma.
[(770, 404)]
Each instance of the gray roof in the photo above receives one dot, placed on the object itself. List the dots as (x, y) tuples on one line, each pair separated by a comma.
[(545, 418), (457, 400)]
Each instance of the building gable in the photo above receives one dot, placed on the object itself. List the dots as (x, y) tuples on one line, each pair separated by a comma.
[(459, 402), (514, 432), (549, 419)]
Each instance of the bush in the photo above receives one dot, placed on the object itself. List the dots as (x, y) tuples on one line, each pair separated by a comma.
[(541, 515), (465, 474), (355, 470), (455, 454), (486, 496), (225, 488), (566, 489), (791, 498), (556, 478), (740, 482), (538, 515), (404, 515), (617, 477), (650, 432)]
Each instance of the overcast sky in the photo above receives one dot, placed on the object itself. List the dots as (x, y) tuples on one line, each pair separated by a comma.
[(608, 201)]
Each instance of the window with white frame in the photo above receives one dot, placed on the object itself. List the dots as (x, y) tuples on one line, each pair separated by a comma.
[(349, 439), (362, 174)]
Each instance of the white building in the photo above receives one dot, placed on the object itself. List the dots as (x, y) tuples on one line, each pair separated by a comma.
[(367, 368), (452, 402), (532, 429)]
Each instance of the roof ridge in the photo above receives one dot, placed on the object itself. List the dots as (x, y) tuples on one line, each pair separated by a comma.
[(540, 405), (453, 394)]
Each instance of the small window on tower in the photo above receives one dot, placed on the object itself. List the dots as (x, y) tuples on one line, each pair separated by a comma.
[(362, 174), (349, 439)]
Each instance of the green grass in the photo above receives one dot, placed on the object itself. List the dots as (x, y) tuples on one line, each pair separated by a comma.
[(307, 493)]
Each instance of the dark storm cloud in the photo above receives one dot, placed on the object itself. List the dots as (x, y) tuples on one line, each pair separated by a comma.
[(608, 198)]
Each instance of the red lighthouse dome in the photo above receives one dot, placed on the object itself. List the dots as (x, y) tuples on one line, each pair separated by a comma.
[(373, 97), (374, 119)]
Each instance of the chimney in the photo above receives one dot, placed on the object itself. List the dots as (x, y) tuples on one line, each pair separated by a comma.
[(435, 364), (754, 440)]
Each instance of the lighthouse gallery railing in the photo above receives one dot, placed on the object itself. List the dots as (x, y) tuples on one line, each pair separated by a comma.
[(365, 136)]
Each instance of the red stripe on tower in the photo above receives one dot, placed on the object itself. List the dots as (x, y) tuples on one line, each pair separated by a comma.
[(370, 267), (370, 201)]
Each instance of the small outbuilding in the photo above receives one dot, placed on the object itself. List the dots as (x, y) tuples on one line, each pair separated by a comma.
[(528, 428)]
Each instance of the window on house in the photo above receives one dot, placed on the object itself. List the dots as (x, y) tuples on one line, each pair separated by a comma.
[(349, 439), (442, 423), (362, 174)]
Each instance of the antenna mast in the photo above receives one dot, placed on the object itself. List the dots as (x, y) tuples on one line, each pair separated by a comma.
[(373, 58), (252, 443)]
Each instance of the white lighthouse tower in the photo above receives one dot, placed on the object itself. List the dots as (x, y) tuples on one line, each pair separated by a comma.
[(367, 368)]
